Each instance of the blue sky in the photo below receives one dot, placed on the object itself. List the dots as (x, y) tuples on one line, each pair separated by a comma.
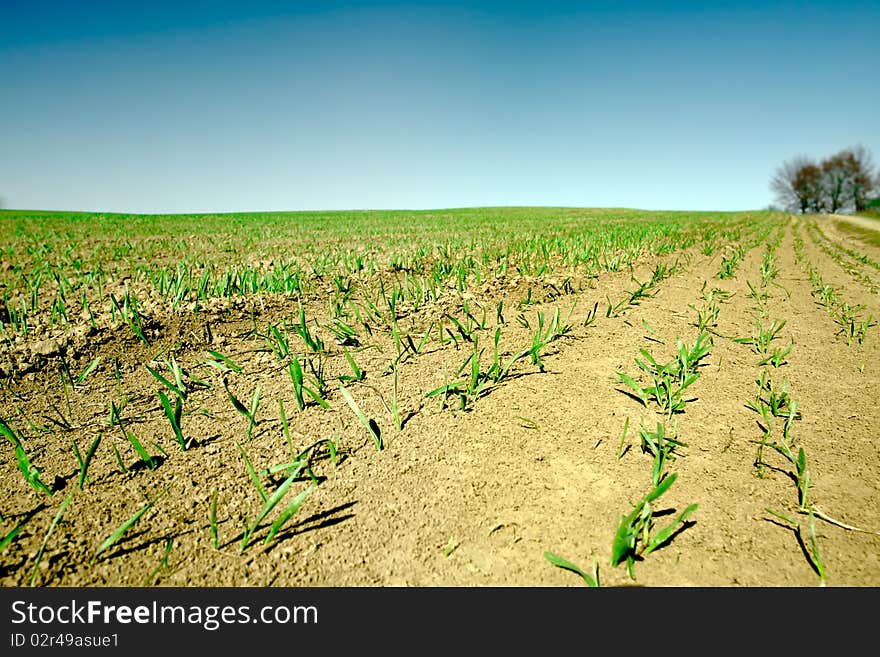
[(232, 106)]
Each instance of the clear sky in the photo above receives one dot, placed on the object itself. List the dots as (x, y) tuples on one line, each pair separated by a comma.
[(249, 106)]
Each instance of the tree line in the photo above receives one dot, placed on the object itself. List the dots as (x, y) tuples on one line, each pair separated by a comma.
[(843, 182)]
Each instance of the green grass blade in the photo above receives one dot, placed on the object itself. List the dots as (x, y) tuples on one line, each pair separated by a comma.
[(88, 370), (212, 518), (270, 504), (145, 457), (42, 549), (661, 488), (173, 416), (253, 473), (814, 557), (6, 540), (559, 562), (360, 416), (288, 513), (624, 538), (241, 408), (223, 363), (84, 468), (10, 434), (124, 527), (255, 404), (666, 533), (358, 374), (635, 386), (318, 399), (180, 392)]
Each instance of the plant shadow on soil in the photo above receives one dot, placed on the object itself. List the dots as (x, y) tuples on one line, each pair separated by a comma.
[(298, 528)]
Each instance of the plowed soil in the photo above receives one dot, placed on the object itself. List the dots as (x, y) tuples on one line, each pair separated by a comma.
[(471, 497)]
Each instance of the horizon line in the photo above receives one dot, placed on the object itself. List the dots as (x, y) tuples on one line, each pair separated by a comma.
[(365, 210)]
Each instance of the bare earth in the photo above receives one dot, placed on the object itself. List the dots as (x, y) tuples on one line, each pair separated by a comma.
[(475, 497)]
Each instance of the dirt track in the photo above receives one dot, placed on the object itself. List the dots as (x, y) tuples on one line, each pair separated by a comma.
[(864, 222)]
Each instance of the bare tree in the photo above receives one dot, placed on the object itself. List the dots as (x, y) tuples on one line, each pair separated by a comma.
[(786, 186), (863, 182), (846, 180), (809, 184), (836, 180)]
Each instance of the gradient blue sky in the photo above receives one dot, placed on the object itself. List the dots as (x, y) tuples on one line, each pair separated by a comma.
[(249, 106)]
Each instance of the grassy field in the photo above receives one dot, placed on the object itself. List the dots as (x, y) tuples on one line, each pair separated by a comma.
[(873, 209), (463, 397)]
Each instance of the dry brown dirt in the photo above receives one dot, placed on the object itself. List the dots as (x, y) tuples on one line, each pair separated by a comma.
[(475, 497)]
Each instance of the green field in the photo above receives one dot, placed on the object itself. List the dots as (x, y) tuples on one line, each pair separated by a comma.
[(460, 397)]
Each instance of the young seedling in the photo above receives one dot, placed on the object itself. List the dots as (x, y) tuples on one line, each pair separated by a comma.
[(769, 270), (278, 343), (777, 358), (689, 357), (670, 380), (765, 438), (467, 335), (715, 294), (346, 336), (852, 326), (84, 462), (269, 504), (212, 519), (730, 263), (220, 362), (357, 373), (252, 412), (174, 415), (163, 563), (592, 580), (145, 457), (621, 448), (253, 473), (177, 388), (641, 392), (762, 336), (591, 315), (119, 461), (801, 474), (130, 315), (88, 370), (760, 296), (643, 291), (661, 447), (636, 529), (6, 540), (287, 514), (812, 553), (314, 343), (333, 448), (119, 532), (395, 412), (29, 470), (370, 425), (249, 413), (296, 376), (424, 339), (669, 384), (778, 401), (42, 549)]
